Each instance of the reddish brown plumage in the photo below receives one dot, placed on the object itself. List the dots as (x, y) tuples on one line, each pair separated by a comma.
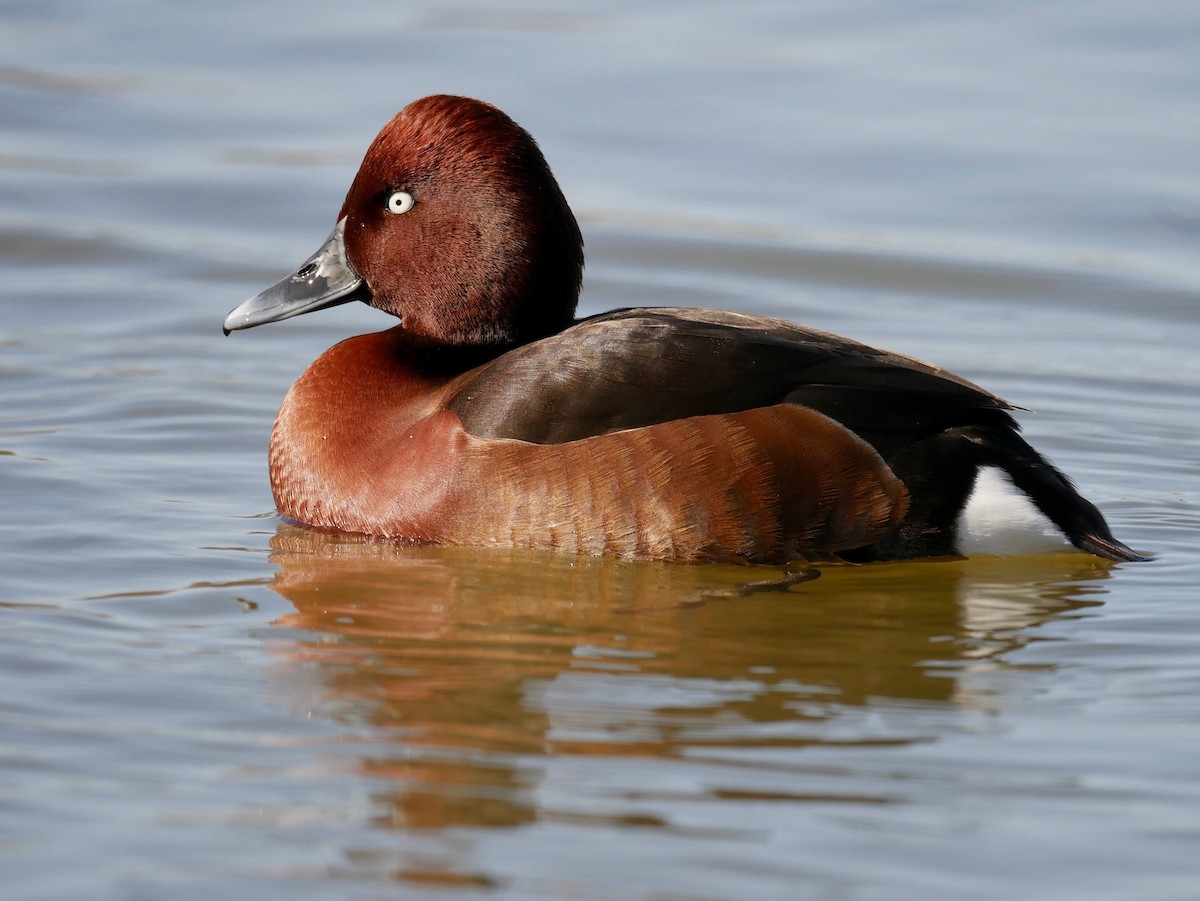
[(490, 417), (758, 486), (364, 443)]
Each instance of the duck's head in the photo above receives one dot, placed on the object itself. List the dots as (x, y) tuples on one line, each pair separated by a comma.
[(454, 224)]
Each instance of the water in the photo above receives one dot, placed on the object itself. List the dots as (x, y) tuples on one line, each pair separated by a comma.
[(199, 701)]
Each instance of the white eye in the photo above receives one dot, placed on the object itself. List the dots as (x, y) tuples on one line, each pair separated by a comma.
[(400, 202)]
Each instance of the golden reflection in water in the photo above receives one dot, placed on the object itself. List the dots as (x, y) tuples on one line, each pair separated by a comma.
[(465, 665)]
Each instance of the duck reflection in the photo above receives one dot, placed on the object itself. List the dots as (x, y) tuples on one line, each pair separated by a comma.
[(477, 670)]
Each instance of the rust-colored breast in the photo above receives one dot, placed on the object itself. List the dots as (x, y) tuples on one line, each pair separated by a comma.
[(358, 445)]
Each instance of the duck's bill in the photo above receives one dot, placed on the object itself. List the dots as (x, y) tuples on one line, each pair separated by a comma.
[(325, 280)]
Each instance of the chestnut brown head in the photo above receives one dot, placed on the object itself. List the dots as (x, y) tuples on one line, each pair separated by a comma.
[(457, 226)]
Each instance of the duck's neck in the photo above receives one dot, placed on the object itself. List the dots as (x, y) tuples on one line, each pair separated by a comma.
[(444, 336), (443, 361)]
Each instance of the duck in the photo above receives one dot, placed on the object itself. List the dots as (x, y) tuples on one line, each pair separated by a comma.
[(491, 415)]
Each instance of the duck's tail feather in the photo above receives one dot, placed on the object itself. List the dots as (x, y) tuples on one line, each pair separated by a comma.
[(1051, 491)]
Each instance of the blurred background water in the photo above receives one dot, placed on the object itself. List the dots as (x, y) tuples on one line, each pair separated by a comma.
[(200, 701)]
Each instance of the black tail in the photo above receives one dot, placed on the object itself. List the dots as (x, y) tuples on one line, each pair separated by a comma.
[(939, 472), (1050, 490)]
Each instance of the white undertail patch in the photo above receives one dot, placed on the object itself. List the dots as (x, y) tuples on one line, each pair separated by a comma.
[(998, 518)]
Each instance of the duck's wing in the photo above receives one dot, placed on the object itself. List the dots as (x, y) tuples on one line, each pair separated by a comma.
[(640, 367), (661, 367)]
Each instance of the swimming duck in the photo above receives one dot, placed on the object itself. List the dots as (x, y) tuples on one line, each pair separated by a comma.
[(491, 416)]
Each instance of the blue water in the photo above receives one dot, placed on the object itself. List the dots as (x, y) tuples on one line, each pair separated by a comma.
[(200, 701)]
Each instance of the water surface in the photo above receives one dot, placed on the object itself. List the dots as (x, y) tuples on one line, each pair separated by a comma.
[(201, 701)]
